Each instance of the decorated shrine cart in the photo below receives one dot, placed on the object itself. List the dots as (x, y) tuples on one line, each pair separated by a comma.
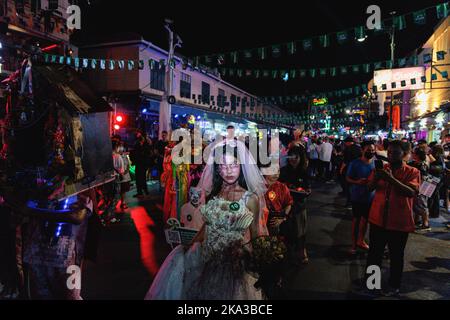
[(56, 132)]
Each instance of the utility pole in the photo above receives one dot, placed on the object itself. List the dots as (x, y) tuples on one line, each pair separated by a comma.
[(165, 109), (392, 37)]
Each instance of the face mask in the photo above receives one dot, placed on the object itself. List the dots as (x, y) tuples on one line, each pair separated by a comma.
[(369, 155)]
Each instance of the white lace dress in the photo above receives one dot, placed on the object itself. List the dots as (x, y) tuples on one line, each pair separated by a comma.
[(213, 269)]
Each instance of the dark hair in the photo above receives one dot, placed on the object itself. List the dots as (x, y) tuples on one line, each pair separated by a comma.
[(299, 152), (405, 146), (115, 144), (432, 144), (437, 150), (367, 143), (422, 141), (421, 154), (164, 131), (217, 179)]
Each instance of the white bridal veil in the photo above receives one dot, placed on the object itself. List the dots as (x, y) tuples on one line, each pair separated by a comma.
[(253, 177)]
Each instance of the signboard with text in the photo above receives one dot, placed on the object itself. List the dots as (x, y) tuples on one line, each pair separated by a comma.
[(399, 79)]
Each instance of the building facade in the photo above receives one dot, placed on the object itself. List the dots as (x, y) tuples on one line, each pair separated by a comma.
[(199, 93)]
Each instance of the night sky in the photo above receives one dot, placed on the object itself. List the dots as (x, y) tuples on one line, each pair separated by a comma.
[(208, 27)]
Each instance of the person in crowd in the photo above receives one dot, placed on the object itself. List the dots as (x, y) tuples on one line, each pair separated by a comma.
[(325, 152), (438, 170), (421, 201), (279, 202), (279, 223), (336, 161), (351, 152), (358, 173), (382, 150), (295, 176), (160, 148), (140, 157), (391, 215), (422, 144), (122, 168), (313, 157)]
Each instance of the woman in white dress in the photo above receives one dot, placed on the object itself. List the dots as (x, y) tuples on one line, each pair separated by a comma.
[(213, 268)]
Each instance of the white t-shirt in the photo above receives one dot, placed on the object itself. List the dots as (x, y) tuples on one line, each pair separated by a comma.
[(325, 151)]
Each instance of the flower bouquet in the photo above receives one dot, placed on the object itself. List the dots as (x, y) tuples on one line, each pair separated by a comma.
[(268, 252)]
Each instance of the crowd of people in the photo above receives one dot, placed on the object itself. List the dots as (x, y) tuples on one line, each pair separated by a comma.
[(382, 183)]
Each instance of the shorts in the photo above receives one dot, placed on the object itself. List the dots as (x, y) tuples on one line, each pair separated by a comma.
[(360, 210), (421, 205)]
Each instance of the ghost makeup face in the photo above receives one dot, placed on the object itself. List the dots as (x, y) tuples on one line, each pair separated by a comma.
[(194, 196), (230, 169)]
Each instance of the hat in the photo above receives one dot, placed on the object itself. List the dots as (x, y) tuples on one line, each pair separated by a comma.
[(270, 170), (231, 125)]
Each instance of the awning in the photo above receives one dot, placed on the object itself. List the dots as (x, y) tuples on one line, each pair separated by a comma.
[(66, 87)]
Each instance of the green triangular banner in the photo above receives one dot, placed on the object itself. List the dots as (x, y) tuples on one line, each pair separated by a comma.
[(333, 71), (276, 51), (442, 10), (312, 73), (366, 67), (323, 72), (131, 64), (247, 54), (302, 73), (291, 47), (360, 32), (262, 53), (93, 63), (293, 73), (342, 37), (399, 22), (307, 44), (420, 17), (355, 68), (274, 74), (234, 57), (344, 70), (324, 40)]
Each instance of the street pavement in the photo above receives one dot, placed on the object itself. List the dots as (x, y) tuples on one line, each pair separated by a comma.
[(131, 251)]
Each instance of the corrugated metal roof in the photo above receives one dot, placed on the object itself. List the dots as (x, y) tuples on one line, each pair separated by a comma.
[(63, 84)]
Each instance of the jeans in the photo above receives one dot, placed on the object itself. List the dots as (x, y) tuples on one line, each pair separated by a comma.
[(396, 242)]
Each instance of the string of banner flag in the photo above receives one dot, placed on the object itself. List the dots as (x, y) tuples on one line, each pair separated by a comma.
[(123, 64), (398, 22), (334, 71)]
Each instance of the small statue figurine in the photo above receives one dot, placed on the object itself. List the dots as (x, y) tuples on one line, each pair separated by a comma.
[(190, 214)]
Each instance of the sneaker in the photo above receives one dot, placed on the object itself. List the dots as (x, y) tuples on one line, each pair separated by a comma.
[(423, 228)]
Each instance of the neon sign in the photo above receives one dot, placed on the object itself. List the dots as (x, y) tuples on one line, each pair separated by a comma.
[(320, 101)]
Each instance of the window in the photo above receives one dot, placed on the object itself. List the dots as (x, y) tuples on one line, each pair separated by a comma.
[(205, 92), (233, 102), (185, 85), (244, 105), (36, 6), (252, 104), (221, 98), (157, 77)]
